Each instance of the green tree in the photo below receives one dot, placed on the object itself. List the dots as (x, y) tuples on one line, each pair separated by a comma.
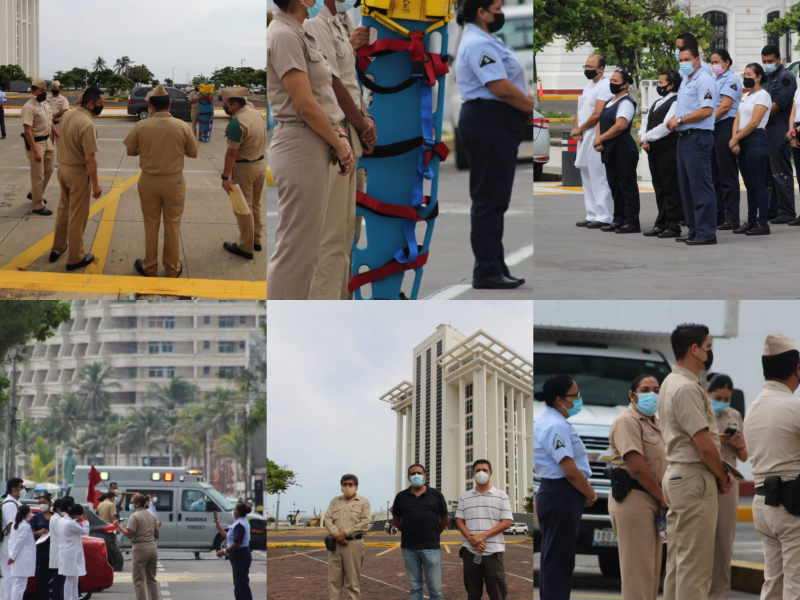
[(23, 320), (10, 73), (123, 65), (42, 471), (118, 82), (65, 419), (81, 76), (94, 387), (789, 23), (140, 74), (279, 478), (99, 64), (168, 81), (100, 77), (233, 446), (174, 394), (528, 502)]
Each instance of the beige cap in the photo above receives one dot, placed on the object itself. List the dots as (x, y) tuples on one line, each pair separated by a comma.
[(160, 91), (778, 344), (39, 83), (234, 92), (56, 84)]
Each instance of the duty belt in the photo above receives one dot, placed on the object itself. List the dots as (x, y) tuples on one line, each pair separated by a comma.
[(355, 537), (242, 160), (694, 131), (41, 138)]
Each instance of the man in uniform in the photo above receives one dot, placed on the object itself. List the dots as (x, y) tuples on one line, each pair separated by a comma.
[(77, 171), (194, 100), (244, 164), (37, 123), (695, 472), (58, 106), (772, 436), (347, 519), (161, 142)]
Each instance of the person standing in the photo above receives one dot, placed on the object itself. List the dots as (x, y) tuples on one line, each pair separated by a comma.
[(15, 491), (596, 192), (695, 472), (347, 519), (151, 506), (687, 39), (21, 553), (194, 100), (483, 514), (237, 550), (142, 531), (72, 563), (60, 508), (37, 123), (420, 513), (387, 527), (772, 435), (58, 106), (40, 524), (2, 115)]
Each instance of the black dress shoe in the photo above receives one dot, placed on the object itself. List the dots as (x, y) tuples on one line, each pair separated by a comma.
[(683, 223), (781, 219), (698, 241), (233, 249), (669, 233), (744, 228), (583, 223), (629, 229), (54, 256), (29, 198), (728, 225), (685, 238), (87, 260), (512, 278), (596, 225), (180, 269), (44, 211), (759, 230), (257, 247), (139, 266), (498, 282), (652, 232), (611, 227), (794, 222)]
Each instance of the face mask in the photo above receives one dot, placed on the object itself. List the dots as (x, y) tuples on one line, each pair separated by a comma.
[(749, 83), (227, 110), (154, 500), (345, 6), (130, 507), (648, 403), (97, 110), (770, 68), (482, 477), (42, 97), (23, 494), (44, 507), (497, 24), (687, 68), (661, 90), (717, 70), (719, 406), (576, 407), (677, 55), (56, 92), (590, 74), (616, 88), (313, 11), (348, 491), (417, 480), (709, 361)]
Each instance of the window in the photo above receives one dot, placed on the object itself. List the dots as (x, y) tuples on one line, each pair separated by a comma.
[(194, 501), (132, 322), (161, 372), (468, 439), (206, 320), (469, 422), (469, 485), (225, 372), (164, 498), (417, 408), (241, 344), (775, 40), (226, 322), (206, 345), (719, 24), (227, 347), (262, 321), (468, 391), (206, 370), (469, 472), (428, 407), (161, 323), (132, 372), (159, 347), (469, 406), (468, 457), (242, 320)]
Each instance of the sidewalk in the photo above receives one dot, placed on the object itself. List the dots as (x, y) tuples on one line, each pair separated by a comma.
[(117, 112)]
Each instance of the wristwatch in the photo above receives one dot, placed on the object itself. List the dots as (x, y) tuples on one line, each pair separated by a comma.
[(224, 178), (680, 120)]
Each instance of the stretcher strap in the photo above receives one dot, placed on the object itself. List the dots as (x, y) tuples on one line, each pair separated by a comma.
[(395, 211), (389, 150), (424, 65), (356, 281)]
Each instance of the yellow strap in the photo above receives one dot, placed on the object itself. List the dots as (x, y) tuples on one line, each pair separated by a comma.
[(396, 27)]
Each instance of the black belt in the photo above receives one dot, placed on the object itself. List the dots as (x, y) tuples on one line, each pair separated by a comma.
[(355, 537), (241, 160), (41, 138), (56, 122), (635, 485), (760, 491), (691, 131)]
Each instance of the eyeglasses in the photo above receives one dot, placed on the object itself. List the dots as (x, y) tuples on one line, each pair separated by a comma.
[(590, 67), (577, 396)]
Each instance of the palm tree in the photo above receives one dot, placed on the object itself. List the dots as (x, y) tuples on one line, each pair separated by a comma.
[(123, 65), (175, 394), (65, 419), (189, 446), (233, 445), (41, 470), (147, 423), (94, 388), (25, 435), (99, 63)]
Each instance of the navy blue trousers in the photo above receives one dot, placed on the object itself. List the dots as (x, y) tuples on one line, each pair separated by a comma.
[(240, 563), (725, 173), (694, 180)]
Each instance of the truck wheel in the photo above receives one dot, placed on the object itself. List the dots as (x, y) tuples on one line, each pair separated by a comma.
[(609, 565), (538, 169), (85, 596), (461, 154)]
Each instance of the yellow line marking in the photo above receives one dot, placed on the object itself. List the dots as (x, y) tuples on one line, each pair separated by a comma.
[(446, 547), (102, 239), (744, 514), (294, 554), (390, 549)]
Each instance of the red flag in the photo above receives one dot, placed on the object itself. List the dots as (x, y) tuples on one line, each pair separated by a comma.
[(91, 493)]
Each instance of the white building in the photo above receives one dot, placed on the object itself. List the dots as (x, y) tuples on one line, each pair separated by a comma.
[(472, 398), (737, 26), (19, 35)]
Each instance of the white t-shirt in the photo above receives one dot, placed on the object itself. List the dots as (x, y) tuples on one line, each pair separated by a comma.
[(625, 109), (749, 101), (596, 91)]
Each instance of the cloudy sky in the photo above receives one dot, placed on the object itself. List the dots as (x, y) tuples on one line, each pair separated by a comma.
[(328, 364), (197, 36)]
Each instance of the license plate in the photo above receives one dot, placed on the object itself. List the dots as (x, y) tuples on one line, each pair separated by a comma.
[(604, 537)]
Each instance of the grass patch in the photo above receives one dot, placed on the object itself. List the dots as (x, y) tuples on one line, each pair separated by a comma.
[(556, 114)]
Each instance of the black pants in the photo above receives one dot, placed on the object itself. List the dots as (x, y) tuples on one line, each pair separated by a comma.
[(491, 132), (559, 507), (490, 571), (2, 121), (725, 173), (780, 182), (240, 563), (664, 171), (43, 571), (58, 585), (621, 174)]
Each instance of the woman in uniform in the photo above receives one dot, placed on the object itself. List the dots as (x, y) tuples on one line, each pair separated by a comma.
[(491, 126), (620, 154), (637, 447), (561, 462), (307, 139), (719, 390)]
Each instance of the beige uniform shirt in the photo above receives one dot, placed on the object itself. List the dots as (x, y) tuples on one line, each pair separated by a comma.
[(58, 104), (39, 116), (107, 511), (350, 516), (290, 46), (772, 433), (162, 141), (634, 432), (246, 133), (730, 417), (194, 96), (144, 524), (78, 137), (685, 409)]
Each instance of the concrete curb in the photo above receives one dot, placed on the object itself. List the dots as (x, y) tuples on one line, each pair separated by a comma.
[(747, 576), (744, 514)]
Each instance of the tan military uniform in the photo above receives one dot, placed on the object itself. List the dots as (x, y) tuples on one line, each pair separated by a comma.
[(150, 111), (720, 587), (633, 519), (162, 141), (194, 96), (57, 104), (299, 158), (690, 489), (39, 117), (344, 565), (78, 138), (144, 554)]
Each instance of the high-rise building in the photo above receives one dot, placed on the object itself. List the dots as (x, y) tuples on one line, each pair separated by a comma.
[(19, 35), (471, 398)]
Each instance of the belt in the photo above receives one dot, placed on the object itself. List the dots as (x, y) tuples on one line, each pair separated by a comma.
[(635, 485), (355, 537), (242, 160), (688, 464), (56, 122), (690, 132), (760, 491)]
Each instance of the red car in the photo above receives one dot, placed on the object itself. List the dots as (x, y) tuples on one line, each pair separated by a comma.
[(99, 574)]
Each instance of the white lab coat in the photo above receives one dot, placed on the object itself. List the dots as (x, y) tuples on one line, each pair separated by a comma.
[(596, 191), (22, 549), (54, 540), (71, 561)]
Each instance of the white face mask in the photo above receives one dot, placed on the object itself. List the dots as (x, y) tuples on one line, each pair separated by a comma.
[(482, 477), (153, 500), (23, 494)]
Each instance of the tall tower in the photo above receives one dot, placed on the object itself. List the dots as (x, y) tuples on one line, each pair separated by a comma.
[(19, 35)]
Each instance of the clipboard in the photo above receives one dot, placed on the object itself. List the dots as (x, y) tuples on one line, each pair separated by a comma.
[(43, 539), (240, 206)]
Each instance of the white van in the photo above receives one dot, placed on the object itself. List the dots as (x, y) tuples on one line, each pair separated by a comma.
[(184, 502)]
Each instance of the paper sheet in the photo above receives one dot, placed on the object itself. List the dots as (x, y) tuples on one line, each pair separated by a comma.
[(237, 199), (43, 539)]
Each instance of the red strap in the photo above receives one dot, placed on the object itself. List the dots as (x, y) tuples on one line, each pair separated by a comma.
[(395, 210), (356, 281), (442, 151), (432, 63)]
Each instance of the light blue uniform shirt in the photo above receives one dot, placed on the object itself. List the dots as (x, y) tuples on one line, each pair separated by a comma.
[(704, 66), (483, 58), (553, 440), (728, 84), (2, 96), (696, 92)]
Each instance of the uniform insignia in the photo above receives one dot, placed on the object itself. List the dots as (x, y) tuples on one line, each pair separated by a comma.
[(708, 96), (786, 81), (650, 433), (733, 87), (486, 60), (559, 443)]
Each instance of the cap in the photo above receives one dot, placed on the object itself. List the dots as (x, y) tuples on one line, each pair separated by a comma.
[(39, 83), (234, 92), (56, 84), (778, 344), (160, 91)]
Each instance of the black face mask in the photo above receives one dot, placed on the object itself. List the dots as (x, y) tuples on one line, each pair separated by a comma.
[(590, 74), (227, 110), (749, 83), (661, 90), (616, 88), (97, 110), (497, 24), (56, 92), (708, 361), (41, 97)]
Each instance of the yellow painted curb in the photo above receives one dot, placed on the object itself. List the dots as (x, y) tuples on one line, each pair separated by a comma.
[(744, 514), (560, 97), (270, 182)]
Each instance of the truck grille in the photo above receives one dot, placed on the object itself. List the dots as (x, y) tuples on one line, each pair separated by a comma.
[(596, 444)]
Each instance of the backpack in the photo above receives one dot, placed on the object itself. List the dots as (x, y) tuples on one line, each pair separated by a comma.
[(2, 519)]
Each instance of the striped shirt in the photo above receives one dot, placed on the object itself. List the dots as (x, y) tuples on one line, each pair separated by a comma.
[(481, 512)]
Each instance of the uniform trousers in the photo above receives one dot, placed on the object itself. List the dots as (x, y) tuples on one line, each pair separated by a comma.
[(780, 535), (491, 572), (300, 161), (559, 507), (596, 191), (195, 116), (640, 546), (40, 171), (162, 196), (621, 174), (241, 560), (18, 585), (690, 491), (144, 558), (251, 177), (58, 585), (752, 158), (725, 173), (5, 569), (344, 569), (694, 179), (2, 121), (663, 163), (720, 587), (780, 182), (73, 211), (71, 587)]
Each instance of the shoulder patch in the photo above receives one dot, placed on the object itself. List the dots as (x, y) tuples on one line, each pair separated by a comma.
[(786, 81), (708, 95), (486, 60), (733, 87), (234, 131), (558, 442)]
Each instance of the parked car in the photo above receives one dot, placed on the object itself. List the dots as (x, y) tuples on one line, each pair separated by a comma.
[(138, 106), (516, 528), (259, 89), (541, 144)]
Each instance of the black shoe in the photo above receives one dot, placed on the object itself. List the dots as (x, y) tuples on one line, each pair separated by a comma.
[(29, 198), (512, 278), (583, 223), (139, 266), (257, 247), (44, 211), (683, 223), (87, 260), (669, 233), (498, 282), (596, 225), (233, 249), (180, 270), (54, 257), (685, 238), (781, 219), (744, 228), (698, 241), (794, 222), (611, 227), (653, 232), (2, 137), (629, 229), (729, 225), (759, 230)]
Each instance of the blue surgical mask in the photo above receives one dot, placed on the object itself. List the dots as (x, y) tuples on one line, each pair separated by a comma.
[(770, 68), (576, 407), (417, 480), (719, 406), (314, 10), (648, 403), (686, 68), (345, 6), (677, 55), (130, 507)]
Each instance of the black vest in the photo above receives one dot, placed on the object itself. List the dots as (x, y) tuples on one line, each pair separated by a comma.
[(624, 141), (656, 118)]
